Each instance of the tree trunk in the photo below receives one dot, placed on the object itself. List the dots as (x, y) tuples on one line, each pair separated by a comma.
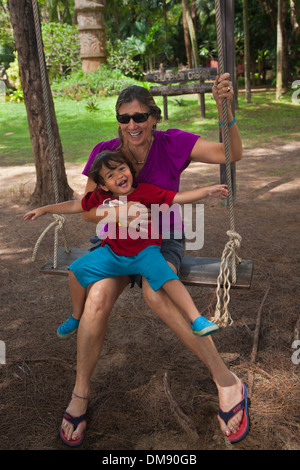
[(22, 20), (195, 53), (279, 51), (187, 42), (247, 53), (286, 59), (165, 15), (192, 32)]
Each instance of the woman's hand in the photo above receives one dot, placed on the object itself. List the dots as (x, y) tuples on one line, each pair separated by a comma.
[(223, 89)]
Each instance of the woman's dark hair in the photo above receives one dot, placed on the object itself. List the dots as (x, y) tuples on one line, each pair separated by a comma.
[(110, 159), (143, 96)]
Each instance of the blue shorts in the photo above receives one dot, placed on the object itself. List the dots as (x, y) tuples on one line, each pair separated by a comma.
[(103, 263)]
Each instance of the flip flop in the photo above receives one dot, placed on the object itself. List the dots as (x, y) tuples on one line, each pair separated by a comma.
[(75, 422), (244, 425)]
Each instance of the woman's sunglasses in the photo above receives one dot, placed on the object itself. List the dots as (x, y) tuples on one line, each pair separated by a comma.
[(137, 117)]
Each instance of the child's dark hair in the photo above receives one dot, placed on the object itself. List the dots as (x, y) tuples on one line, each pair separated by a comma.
[(108, 158)]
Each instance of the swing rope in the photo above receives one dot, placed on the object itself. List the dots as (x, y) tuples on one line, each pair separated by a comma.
[(222, 316), (59, 219)]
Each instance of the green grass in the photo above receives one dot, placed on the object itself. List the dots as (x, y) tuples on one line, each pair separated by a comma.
[(260, 123)]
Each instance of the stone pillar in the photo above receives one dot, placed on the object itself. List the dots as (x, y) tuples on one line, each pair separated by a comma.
[(91, 27)]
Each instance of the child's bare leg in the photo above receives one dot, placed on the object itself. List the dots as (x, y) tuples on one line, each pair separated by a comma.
[(78, 296), (181, 297)]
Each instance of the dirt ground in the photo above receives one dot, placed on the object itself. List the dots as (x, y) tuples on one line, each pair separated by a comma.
[(130, 409)]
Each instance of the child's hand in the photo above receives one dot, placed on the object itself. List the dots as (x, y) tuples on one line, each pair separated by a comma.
[(32, 215), (136, 213), (219, 190)]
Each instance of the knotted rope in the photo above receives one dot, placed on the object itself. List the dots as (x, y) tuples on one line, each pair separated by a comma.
[(222, 316), (59, 220), (59, 225)]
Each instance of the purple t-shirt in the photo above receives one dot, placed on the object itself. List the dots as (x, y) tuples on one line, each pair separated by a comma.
[(168, 157)]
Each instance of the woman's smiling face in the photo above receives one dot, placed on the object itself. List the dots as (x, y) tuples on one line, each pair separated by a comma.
[(136, 133)]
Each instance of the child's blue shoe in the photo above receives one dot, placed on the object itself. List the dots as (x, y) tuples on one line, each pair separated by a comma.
[(68, 328), (203, 327)]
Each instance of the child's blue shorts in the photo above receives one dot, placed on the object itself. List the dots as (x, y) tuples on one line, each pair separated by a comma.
[(103, 263)]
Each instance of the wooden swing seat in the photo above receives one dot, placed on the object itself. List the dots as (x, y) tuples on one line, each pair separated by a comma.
[(194, 271)]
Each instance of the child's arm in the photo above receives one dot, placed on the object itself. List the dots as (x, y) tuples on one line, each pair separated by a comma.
[(183, 197), (67, 207)]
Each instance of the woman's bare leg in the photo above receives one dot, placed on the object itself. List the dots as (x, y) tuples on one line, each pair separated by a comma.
[(91, 334), (228, 385)]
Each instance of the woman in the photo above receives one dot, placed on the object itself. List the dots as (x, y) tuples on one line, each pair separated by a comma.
[(158, 157)]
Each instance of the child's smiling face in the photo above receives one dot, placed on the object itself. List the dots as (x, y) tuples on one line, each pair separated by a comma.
[(117, 180)]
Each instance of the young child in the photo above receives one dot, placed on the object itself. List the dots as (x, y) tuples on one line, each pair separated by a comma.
[(121, 252)]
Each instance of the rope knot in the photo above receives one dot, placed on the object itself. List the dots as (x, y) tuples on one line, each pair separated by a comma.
[(235, 238), (58, 224), (60, 220), (231, 248)]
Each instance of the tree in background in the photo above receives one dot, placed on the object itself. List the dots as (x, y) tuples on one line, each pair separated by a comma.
[(7, 46), (192, 33), (154, 26), (22, 20), (247, 52), (279, 51), (59, 11), (154, 32)]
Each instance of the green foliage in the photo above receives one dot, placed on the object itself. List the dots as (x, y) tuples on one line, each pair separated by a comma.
[(149, 28), (13, 72), (142, 34), (17, 96), (92, 105), (122, 54), (62, 48), (13, 76), (104, 82), (59, 11), (6, 38)]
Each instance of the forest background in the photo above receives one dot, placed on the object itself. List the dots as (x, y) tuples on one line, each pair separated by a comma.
[(142, 34)]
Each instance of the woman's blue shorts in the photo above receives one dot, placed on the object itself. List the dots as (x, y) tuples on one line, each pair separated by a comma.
[(103, 263)]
